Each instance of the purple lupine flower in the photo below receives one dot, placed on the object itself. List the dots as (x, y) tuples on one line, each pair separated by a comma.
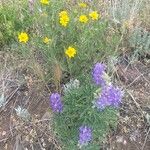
[(56, 103), (97, 74), (101, 103), (85, 135), (110, 96), (115, 96)]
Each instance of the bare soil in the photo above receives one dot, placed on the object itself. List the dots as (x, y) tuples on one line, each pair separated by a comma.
[(133, 132)]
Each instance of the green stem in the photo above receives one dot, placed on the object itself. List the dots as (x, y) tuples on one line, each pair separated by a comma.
[(69, 66)]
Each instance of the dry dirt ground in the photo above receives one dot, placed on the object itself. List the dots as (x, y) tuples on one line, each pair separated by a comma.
[(133, 132), (22, 88)]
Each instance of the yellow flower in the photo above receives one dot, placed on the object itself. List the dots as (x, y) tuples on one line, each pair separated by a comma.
[(45, 2), (83, 5), (64, 18), (83, 19), (23, 37), (70, 52), (63, 13), (94, 15), (46, 40)]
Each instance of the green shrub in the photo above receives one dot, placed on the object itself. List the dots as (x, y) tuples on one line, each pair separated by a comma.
[(140, 42)]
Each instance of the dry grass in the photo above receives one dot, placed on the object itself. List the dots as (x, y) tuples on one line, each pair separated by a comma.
[(22, 87)]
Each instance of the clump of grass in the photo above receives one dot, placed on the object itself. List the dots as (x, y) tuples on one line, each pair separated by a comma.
[(145, 14), (22, 113), (125, 10), (140, 41)]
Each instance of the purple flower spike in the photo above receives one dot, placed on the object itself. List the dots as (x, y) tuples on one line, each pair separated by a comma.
[(85, 135), (115, 96), (110, 96), (101, 103), (97, 74), (56, 103)]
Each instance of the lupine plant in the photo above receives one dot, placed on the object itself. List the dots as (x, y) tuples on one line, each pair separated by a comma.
[(83, 115)]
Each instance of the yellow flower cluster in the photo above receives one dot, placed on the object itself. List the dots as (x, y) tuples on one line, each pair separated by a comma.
[(64, 18), (45, 2), (93, 15)]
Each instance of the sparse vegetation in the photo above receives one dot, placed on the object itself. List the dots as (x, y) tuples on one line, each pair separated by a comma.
[(74, 74)]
